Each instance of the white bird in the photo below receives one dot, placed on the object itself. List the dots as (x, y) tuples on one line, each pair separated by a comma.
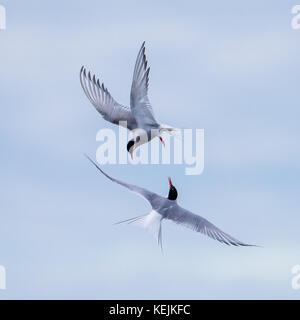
[(167, 208), (139, 117)]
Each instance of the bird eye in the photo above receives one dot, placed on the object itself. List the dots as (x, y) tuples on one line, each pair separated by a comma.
[(137, 139)]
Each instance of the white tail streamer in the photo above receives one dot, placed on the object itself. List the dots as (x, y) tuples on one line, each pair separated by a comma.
[(176, 132), (151, 222)]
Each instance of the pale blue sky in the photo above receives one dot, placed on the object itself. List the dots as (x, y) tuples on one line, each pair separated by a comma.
[(225, 66)]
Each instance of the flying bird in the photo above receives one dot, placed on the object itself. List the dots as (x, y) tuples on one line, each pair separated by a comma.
[(139, 118), (167, 208)]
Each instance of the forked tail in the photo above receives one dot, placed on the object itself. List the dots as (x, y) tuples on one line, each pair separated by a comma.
[(150, 222), (172, 131)]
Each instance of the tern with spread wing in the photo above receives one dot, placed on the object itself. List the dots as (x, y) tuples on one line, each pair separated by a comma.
[(167, 208), (139, 118)]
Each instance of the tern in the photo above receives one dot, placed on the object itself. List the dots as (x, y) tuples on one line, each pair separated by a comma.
[(167, 208), (139, 118)]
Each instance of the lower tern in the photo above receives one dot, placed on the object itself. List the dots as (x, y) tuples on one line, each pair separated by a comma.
[(167, 208)]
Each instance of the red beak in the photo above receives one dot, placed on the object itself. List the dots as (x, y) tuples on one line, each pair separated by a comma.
[(170, 182)]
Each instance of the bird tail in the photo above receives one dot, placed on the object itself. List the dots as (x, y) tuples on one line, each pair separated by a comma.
[(176, 132), (150, 222)]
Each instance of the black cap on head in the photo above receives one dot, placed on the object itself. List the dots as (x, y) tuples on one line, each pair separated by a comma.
[(130, 145), (173, 194)]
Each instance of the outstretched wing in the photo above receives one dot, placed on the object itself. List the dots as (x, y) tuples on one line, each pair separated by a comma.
[(148, 195), (188, 219), (139, 101), (102, 100)]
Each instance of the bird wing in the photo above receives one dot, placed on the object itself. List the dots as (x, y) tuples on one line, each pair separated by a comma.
[(104, 103), (139, 101), (197, 223), (148, 195)]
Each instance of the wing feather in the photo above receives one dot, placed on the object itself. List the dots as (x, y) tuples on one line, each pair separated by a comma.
[(139, 101), (199, 224), (104, 103), (148, 195)]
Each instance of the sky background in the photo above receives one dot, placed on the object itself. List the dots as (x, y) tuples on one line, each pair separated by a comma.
[(225, 66)]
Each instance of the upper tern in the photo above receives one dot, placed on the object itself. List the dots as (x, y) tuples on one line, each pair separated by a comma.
[(139, 118), (167, 208)]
